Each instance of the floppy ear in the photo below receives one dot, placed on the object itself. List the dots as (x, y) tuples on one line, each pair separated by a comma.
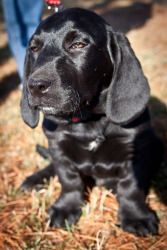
[(29, 114), (128, 93)]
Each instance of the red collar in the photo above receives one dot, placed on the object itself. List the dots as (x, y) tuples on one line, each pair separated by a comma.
[(75, 119), (53, 2), (85, 118), (55, 5)]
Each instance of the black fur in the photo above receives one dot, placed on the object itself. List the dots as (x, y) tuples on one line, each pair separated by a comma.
[(93, 93)]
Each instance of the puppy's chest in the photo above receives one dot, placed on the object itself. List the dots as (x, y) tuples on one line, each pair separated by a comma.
[(95, 144)]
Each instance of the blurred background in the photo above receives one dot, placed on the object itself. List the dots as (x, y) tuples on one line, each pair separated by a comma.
[(23, 216)]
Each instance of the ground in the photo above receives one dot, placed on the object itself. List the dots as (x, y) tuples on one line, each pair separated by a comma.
[(23, 216)]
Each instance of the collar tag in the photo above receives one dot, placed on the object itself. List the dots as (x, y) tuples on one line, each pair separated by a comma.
[(94, 145)]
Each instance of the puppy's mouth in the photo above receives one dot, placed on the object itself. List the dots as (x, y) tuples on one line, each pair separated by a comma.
[(47, 110), (67, 109)]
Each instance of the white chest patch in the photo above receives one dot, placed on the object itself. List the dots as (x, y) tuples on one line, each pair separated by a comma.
[(93, 146)]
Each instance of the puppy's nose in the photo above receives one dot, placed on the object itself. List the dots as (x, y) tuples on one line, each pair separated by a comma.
[(38, 87)]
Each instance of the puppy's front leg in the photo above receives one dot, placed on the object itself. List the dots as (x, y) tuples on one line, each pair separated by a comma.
[(134, 214), (67, 209)]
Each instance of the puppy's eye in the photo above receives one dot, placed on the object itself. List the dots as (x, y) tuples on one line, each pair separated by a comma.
[(34, 48), (36, 45), (78, 45)]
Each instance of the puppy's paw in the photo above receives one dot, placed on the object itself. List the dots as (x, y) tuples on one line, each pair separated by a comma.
[(34, 180), (38, 179), (143, 226), (29, 182), (61, 217)]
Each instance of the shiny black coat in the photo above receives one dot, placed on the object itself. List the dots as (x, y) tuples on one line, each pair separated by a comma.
[(86, 80)]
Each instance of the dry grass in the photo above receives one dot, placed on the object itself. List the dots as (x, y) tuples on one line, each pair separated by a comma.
[(23, 217)]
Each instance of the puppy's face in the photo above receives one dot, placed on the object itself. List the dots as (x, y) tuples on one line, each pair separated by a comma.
[(75, 62), (69, 64)]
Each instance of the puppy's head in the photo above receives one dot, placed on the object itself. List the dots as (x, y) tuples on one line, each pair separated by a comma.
[(74, 62)]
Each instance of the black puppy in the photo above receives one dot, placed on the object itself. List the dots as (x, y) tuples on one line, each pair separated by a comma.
[(86, 80)]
